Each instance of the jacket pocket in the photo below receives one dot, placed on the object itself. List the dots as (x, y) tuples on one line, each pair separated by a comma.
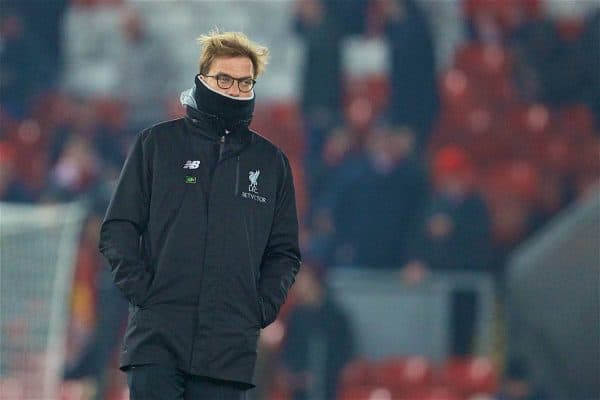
[(251, 343), (253, 281), (261, 313), (144, 299), (256, 301)]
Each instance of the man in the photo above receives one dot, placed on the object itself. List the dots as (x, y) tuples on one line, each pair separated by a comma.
[(452, 234), (414, 98), (140, 74), (202, 235), (319, 338)]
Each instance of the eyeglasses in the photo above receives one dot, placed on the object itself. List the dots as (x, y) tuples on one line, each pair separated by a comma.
[(225, 81)]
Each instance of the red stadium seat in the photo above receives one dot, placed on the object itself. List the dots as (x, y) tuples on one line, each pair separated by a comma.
[(457, 90), (576, 121), (111, 112), (588, 159), (281, 123), (557, 155), (454, 120), (473, 8), (379, 91), (95, 3), (483, 61), (500, 91), (50, 109), (30, 142), (435, 393), (405, 374), (357, 372), (506, 14), (488, 70), (280, 394), (479, 122), (528, 119), (470, 375), (465, 100), (532, 9), (367, 392), (570, 28), (524, 179)]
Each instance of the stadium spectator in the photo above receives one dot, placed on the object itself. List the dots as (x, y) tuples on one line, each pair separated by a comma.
[(76, 170), (96, 123), (556, 63), (318, 24), (536, 46), (11, 188), (322, 25), (453, 234), (144, 65), (44, 24), (446, 238), (319, 339), (414, 98), (589, 43), (393, 189), (92, 48), (512, 194), (94, 360), (343, 162), (22, 64), (112, 137)]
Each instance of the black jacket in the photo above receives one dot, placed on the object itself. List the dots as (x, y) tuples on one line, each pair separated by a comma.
[(205, 252)]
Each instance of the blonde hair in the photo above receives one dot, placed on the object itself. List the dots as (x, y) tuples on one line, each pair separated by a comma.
[(231, 44)]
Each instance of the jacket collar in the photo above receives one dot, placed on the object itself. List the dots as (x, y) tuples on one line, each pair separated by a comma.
[(210, 127)]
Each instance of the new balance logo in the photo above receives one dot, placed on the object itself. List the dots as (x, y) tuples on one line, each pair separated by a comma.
[(189, 164)]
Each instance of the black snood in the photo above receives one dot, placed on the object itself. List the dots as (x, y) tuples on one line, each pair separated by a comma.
[(229, 111)]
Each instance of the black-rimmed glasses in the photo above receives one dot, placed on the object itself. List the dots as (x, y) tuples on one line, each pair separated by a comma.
[(225, 81)]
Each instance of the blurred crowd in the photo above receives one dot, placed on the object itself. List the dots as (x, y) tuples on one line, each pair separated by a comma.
[(417, 168)]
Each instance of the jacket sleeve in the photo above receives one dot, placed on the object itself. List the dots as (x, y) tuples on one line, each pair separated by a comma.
[(281, 259), (124, 223)]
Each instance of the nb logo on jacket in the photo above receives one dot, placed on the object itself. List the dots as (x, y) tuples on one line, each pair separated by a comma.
[(189, 164)]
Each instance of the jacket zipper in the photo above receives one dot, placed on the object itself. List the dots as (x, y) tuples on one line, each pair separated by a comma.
[(237, 165), (237, 176), (221, 147)]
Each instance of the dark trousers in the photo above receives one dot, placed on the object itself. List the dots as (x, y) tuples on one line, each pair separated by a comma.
[(157, 382), (464, 318)]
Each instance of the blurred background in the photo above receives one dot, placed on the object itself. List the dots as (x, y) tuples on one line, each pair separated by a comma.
[(446, 158)]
